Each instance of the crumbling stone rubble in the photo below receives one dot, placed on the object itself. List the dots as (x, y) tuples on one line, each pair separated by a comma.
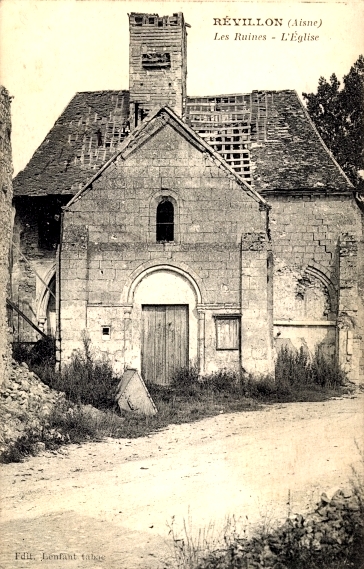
[(24, 402)]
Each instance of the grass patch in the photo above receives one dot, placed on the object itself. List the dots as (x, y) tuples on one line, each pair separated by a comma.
[(298, 377), (188, 398)]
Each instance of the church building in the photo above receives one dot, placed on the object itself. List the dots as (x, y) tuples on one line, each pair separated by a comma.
[(177, 231)]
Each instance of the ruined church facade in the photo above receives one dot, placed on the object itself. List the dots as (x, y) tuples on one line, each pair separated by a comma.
[(177, 231)]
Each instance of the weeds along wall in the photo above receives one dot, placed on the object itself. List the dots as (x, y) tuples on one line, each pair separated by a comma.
[(113, 266)]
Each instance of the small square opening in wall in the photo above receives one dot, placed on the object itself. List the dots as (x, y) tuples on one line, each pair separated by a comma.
[(227, 332), (154, 60), (106, 332)]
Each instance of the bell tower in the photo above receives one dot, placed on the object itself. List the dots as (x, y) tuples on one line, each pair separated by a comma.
[(157, 64)]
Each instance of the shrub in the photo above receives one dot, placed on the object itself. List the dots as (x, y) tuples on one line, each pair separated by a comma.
[(89, 382), (326, 373), (42, 353), (186, 381), (292, 367), (263, 387), (224, 381), (297, 369), (21, 352), (84, 380)]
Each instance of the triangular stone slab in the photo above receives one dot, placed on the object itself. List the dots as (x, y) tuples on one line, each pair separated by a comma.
[(133, 395)]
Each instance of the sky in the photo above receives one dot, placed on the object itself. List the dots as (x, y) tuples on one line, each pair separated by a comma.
[(50, 49)]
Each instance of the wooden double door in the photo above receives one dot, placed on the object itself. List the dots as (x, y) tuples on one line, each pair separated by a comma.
[(164, 346)]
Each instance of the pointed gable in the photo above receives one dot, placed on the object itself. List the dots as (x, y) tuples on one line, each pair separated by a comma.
[(149, 128)]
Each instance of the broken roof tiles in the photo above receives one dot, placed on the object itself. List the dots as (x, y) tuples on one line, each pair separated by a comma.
[(86, 135), (267, 137)]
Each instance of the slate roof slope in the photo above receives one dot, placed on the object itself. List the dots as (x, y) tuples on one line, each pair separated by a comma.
[(280, 150), (294, 157), (82, 139)]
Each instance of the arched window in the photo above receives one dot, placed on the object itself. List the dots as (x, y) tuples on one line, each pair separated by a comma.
[(165, 221)]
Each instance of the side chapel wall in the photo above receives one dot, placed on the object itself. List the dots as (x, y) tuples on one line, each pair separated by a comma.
[(316, 241)]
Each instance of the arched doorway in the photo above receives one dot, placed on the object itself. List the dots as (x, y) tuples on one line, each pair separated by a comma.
[(165, 323)]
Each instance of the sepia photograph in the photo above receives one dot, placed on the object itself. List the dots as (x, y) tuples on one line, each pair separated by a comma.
[(181, 284)]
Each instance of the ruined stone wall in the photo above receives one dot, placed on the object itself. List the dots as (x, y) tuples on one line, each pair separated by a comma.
[(109, 239), (24, 282), (6, 194), (31, 257), (316, 273)]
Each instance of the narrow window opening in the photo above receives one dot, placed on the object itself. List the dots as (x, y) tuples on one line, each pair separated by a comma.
[(99, 137), (49, 223), (165, 221)]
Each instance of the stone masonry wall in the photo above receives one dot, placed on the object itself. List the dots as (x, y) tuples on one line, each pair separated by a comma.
[(311, 272), (6, 194), (256, 303), (151, 86), (109, 238)]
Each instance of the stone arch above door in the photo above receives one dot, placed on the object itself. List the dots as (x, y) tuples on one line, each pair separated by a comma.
[(163, 295), (148, 268)]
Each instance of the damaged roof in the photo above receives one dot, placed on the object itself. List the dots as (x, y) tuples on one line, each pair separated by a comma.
[(84, 137), (269, 139), (266, 137)]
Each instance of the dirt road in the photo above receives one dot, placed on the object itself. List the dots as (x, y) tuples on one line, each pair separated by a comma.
[(108, 505)]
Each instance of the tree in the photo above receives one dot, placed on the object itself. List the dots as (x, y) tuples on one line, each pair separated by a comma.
[(338, 114)]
